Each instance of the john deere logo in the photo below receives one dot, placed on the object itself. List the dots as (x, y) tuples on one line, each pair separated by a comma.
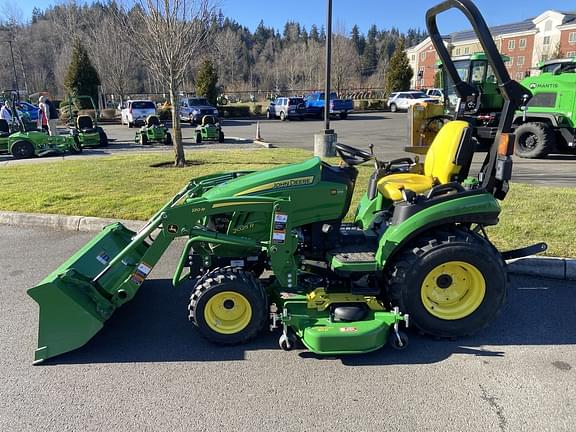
[(173, 229)]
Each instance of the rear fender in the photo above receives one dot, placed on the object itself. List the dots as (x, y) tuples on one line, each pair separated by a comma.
[(481, 208)]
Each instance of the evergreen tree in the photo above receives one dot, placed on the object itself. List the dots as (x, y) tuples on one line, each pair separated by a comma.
[(314, 35), (358, 40), (81, 78), (399, 73), (206, 82), (370, 56)]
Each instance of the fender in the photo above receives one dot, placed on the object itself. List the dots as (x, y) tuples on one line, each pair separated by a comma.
[(477, 207)]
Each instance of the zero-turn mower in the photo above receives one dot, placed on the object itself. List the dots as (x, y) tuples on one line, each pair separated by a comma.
[(416, 252), (153, 131), (83, 125), (209, 130)]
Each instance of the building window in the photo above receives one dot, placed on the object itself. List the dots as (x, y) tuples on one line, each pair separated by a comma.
[(466, 50), (457, 52), (571, 54), (572, 37), (546, 40), (522, 43), (423, 55), (519, 76), (510, 62), (511, 44), (413, 57), (520, 61)]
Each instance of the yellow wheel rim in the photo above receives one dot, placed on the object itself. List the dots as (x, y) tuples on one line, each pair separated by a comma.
[(228, 312), (453, 290)]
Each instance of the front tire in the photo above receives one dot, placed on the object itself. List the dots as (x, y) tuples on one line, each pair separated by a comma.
[(22, 150), (452, 283), (168, 139), (282, 116), (534, 140), (103, 137), (393, 108), (228, 306)]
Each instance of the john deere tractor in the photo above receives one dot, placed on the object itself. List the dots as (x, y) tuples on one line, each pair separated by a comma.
[(270, 248), (82, 125)]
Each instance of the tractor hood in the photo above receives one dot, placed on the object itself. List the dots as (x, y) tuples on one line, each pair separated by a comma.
[(270, 182)]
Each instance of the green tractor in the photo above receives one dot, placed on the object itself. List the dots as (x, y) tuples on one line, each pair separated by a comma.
[(548, 123), (416, 251), (29, 143), (85, 126), (209, 130), (153, 131)]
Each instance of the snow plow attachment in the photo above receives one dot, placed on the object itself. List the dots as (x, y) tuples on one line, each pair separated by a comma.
[(77, 298)]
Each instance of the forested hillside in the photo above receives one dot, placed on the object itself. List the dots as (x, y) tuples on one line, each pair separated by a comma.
[(266, 60)]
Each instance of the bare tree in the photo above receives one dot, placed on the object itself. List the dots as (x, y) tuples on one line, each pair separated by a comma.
[(345, 63), (171, 34), (113, 57), (229, 48)]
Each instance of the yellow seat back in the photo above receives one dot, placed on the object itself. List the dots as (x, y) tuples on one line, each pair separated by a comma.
[(442, 160)]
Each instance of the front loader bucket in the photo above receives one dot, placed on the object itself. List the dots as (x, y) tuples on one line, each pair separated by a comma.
[(73, 308)]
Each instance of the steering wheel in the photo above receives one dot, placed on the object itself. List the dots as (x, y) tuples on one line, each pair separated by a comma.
[(351, 155)]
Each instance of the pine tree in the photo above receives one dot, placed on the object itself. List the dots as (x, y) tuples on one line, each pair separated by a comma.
[(206, 82), (314, 35), (81, 78), (399, 73), (358, 40)]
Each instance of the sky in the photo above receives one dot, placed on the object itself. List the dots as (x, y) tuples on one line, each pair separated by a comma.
[(346, 13)]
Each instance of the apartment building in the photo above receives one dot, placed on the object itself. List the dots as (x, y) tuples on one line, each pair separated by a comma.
[(526, 43)]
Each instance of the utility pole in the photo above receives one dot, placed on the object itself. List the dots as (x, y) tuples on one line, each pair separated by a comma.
[(325, 141), (14, 67)]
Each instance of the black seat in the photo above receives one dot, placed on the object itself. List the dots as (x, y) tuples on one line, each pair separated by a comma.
[(152, 120), (4, 128), (208, 119), (85, 123)]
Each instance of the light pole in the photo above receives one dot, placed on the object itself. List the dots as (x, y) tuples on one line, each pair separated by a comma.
[(325, 141), (14, 68)]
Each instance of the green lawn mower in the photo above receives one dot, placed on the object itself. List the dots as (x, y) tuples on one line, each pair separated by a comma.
[(271, 248), (209, 130), (83, 125), (30, 143), (153, 131)]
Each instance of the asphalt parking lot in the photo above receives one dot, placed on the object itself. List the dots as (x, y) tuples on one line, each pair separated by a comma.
[(387, 131), (149, 370)]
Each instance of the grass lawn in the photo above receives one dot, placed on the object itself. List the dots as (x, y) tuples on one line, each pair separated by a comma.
[(127, 187)]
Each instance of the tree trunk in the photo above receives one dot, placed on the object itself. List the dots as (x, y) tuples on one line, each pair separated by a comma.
[(179, 157)]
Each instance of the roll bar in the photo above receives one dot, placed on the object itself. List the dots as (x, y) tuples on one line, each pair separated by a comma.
[(497, 168)]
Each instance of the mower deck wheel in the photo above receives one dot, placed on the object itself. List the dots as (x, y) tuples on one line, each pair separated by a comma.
[(22, 149), (228, 305), (451, 281), (287, 342), (398, 341)]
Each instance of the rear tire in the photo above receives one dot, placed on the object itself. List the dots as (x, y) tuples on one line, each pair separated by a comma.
[(282, 116), (228, 306), (22, 149), (103, 137), (198, 138), (452, 283), (143, 139), (534, 140), (269, 116), (168, 139), (221, 137)]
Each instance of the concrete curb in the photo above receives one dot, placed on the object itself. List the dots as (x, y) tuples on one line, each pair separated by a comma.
[(60, 222), (541, 266), (264, 144)]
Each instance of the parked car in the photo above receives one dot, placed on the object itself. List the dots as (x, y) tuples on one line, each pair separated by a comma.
[(28, 108), (315, 105), (404, 100), (195, 108), (135, 112), (286, 108), (435, 93)]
